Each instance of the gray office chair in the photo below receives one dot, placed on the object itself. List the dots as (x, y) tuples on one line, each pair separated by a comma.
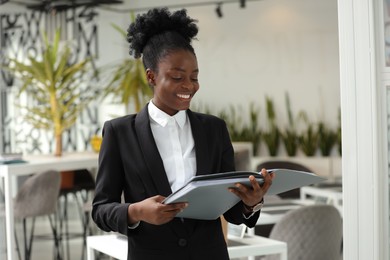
[(311, 232), (37, 196)]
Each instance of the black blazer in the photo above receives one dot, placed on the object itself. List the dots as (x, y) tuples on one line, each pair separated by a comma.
[(129, 161)]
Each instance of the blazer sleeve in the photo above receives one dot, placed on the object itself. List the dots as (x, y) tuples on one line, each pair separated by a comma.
[(107, 210)]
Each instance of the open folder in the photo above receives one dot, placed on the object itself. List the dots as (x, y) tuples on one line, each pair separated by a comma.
[(208, 196)]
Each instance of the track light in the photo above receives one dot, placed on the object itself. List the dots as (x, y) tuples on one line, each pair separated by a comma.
[(242, 3), (218, 10)]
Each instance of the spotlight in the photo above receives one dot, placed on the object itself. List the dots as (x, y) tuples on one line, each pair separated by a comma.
[(218, 10), (242, 3)]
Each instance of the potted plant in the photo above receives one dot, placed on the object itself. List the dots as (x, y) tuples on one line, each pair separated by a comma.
[(127, 81), (338, 134), (326, 139), (53, 84), (308, 139), (240, 132), (271, 136), (289, 136)]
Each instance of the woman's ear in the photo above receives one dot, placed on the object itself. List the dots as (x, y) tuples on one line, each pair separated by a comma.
[(150, 77)]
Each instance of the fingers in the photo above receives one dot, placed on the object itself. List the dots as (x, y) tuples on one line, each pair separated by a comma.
[(175, 207), (268, 177), (153, 211)]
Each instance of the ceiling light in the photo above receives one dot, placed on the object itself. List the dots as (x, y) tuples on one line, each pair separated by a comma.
[(218, 10)]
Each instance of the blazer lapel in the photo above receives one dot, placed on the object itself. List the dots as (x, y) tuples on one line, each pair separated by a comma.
[(201, 149), (151, 154)]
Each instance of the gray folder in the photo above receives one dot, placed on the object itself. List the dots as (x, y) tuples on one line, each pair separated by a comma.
[(208, 196)]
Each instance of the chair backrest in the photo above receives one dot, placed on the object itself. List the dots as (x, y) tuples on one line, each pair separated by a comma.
[(311, 232), (38, 195), (278, 164), (283, 165)]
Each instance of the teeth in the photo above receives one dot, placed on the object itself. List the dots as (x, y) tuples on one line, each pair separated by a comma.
[(183, 96)]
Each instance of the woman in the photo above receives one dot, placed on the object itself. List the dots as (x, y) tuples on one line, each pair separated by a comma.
[(149, 155)]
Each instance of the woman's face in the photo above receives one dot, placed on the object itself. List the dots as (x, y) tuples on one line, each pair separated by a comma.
[(176, 81)]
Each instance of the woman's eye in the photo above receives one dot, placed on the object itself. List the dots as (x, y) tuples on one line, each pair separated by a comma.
[(195, 80)]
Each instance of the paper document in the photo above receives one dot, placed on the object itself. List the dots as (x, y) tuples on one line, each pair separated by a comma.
[(208, 196)]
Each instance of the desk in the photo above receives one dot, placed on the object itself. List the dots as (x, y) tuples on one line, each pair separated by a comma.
[(116, 246), (35, 164)]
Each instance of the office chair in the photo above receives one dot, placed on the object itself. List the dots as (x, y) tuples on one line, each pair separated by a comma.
[(292, 194), (311, 232), (37, 197)]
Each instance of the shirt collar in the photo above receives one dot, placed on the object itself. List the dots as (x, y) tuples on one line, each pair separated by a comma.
[(161, 118)]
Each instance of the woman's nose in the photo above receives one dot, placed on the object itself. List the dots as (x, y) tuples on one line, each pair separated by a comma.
[(187, 84)]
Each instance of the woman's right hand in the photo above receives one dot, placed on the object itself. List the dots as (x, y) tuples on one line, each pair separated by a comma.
[(153, 211)]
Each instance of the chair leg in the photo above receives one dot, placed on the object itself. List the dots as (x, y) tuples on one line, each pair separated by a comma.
[(25, 240), (84, 216), (17, 246), (56, 240), (31, 238), (65, 225), (27, 244)]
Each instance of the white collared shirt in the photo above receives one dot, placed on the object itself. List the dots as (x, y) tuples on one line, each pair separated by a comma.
[(175, 143)]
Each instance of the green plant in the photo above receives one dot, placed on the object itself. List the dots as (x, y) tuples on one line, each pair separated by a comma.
[(308, 139), (271, 136), (128, 81), (338, 134), (289, 136), (54, 87), (326, 139), (232, 122), (240, 132)]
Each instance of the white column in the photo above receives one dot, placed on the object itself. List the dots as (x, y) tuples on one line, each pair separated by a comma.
[(364, 162)]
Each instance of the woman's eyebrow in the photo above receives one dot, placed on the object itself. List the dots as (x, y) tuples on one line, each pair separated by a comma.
[(183, 70)]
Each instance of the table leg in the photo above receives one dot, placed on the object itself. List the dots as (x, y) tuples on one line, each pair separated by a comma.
[(90, 252), (303, 195), (283, 254), (251, 231), (9, 217)]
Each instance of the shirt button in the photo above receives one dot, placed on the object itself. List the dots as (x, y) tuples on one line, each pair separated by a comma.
[(182, 242)]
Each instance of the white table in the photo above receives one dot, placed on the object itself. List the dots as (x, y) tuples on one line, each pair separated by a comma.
[(332, 195), (116, 246), (35, 164), (256, 246)]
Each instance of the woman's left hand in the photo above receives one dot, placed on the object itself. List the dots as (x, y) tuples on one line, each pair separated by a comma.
[(252, 195)]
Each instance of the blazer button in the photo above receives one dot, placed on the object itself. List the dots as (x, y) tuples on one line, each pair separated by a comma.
[(182, 242)]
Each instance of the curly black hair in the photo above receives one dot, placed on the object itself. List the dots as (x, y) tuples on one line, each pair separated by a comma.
[(159, 32)]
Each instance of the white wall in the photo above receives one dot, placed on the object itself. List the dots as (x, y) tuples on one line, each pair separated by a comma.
[(267, 48)]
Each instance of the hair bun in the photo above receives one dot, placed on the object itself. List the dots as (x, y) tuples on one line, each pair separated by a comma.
[(157, 21)]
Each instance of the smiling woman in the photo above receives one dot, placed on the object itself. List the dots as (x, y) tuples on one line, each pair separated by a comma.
[(148, 155)]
